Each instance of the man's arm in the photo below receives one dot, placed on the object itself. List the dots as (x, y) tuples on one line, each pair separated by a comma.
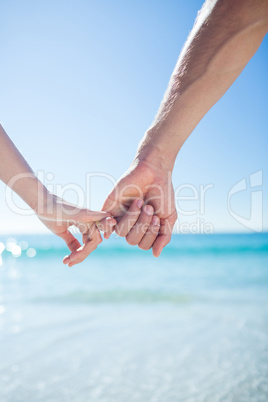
[(54, 212), (225, 36)]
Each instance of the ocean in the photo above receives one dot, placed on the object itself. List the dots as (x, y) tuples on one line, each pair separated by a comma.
[(124, 326)]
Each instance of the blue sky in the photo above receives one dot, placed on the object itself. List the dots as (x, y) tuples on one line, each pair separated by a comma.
[(82, 80)]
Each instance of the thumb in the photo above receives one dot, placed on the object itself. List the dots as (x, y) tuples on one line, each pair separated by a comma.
[(112, 201), (113, 206), (109, 204)]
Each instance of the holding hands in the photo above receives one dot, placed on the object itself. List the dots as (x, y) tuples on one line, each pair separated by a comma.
[(89, 223), (140, 207)]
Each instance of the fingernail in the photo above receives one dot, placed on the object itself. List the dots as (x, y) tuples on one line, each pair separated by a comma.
[(155, 221), (148, 209), (110, 221), (66, 259), (140, 203)]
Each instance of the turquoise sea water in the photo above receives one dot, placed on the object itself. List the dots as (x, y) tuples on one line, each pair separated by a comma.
[(124, 326)]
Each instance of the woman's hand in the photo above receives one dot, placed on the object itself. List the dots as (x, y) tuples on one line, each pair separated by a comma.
[(58, 215)]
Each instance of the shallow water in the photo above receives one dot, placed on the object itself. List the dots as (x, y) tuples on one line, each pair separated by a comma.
[(124, 326)]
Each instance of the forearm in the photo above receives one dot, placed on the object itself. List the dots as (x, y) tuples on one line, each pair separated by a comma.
[(17, 174), (224, 38)]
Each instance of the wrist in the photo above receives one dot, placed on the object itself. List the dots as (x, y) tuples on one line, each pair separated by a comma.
[(30, 189), (155, 154), (37, 195)]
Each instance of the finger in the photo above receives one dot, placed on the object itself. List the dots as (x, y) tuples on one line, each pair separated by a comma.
[(130, 218), (139, 229), (164, 236), (165, 233), (152, 232), (110, 204), (72, 243), (85, 215), (91, 243), (74, 215), (80, 254), (160, 242), (108, 233), (106, 224)]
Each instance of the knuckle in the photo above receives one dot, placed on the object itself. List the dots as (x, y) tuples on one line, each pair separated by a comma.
[(175, 217), (82, 228)]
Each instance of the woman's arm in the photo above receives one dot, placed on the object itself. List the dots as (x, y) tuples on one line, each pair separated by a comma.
[(55, 213)]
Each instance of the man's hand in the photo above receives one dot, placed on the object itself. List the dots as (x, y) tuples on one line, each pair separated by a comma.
[(143, 204), (58, 215), (225, 36)]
